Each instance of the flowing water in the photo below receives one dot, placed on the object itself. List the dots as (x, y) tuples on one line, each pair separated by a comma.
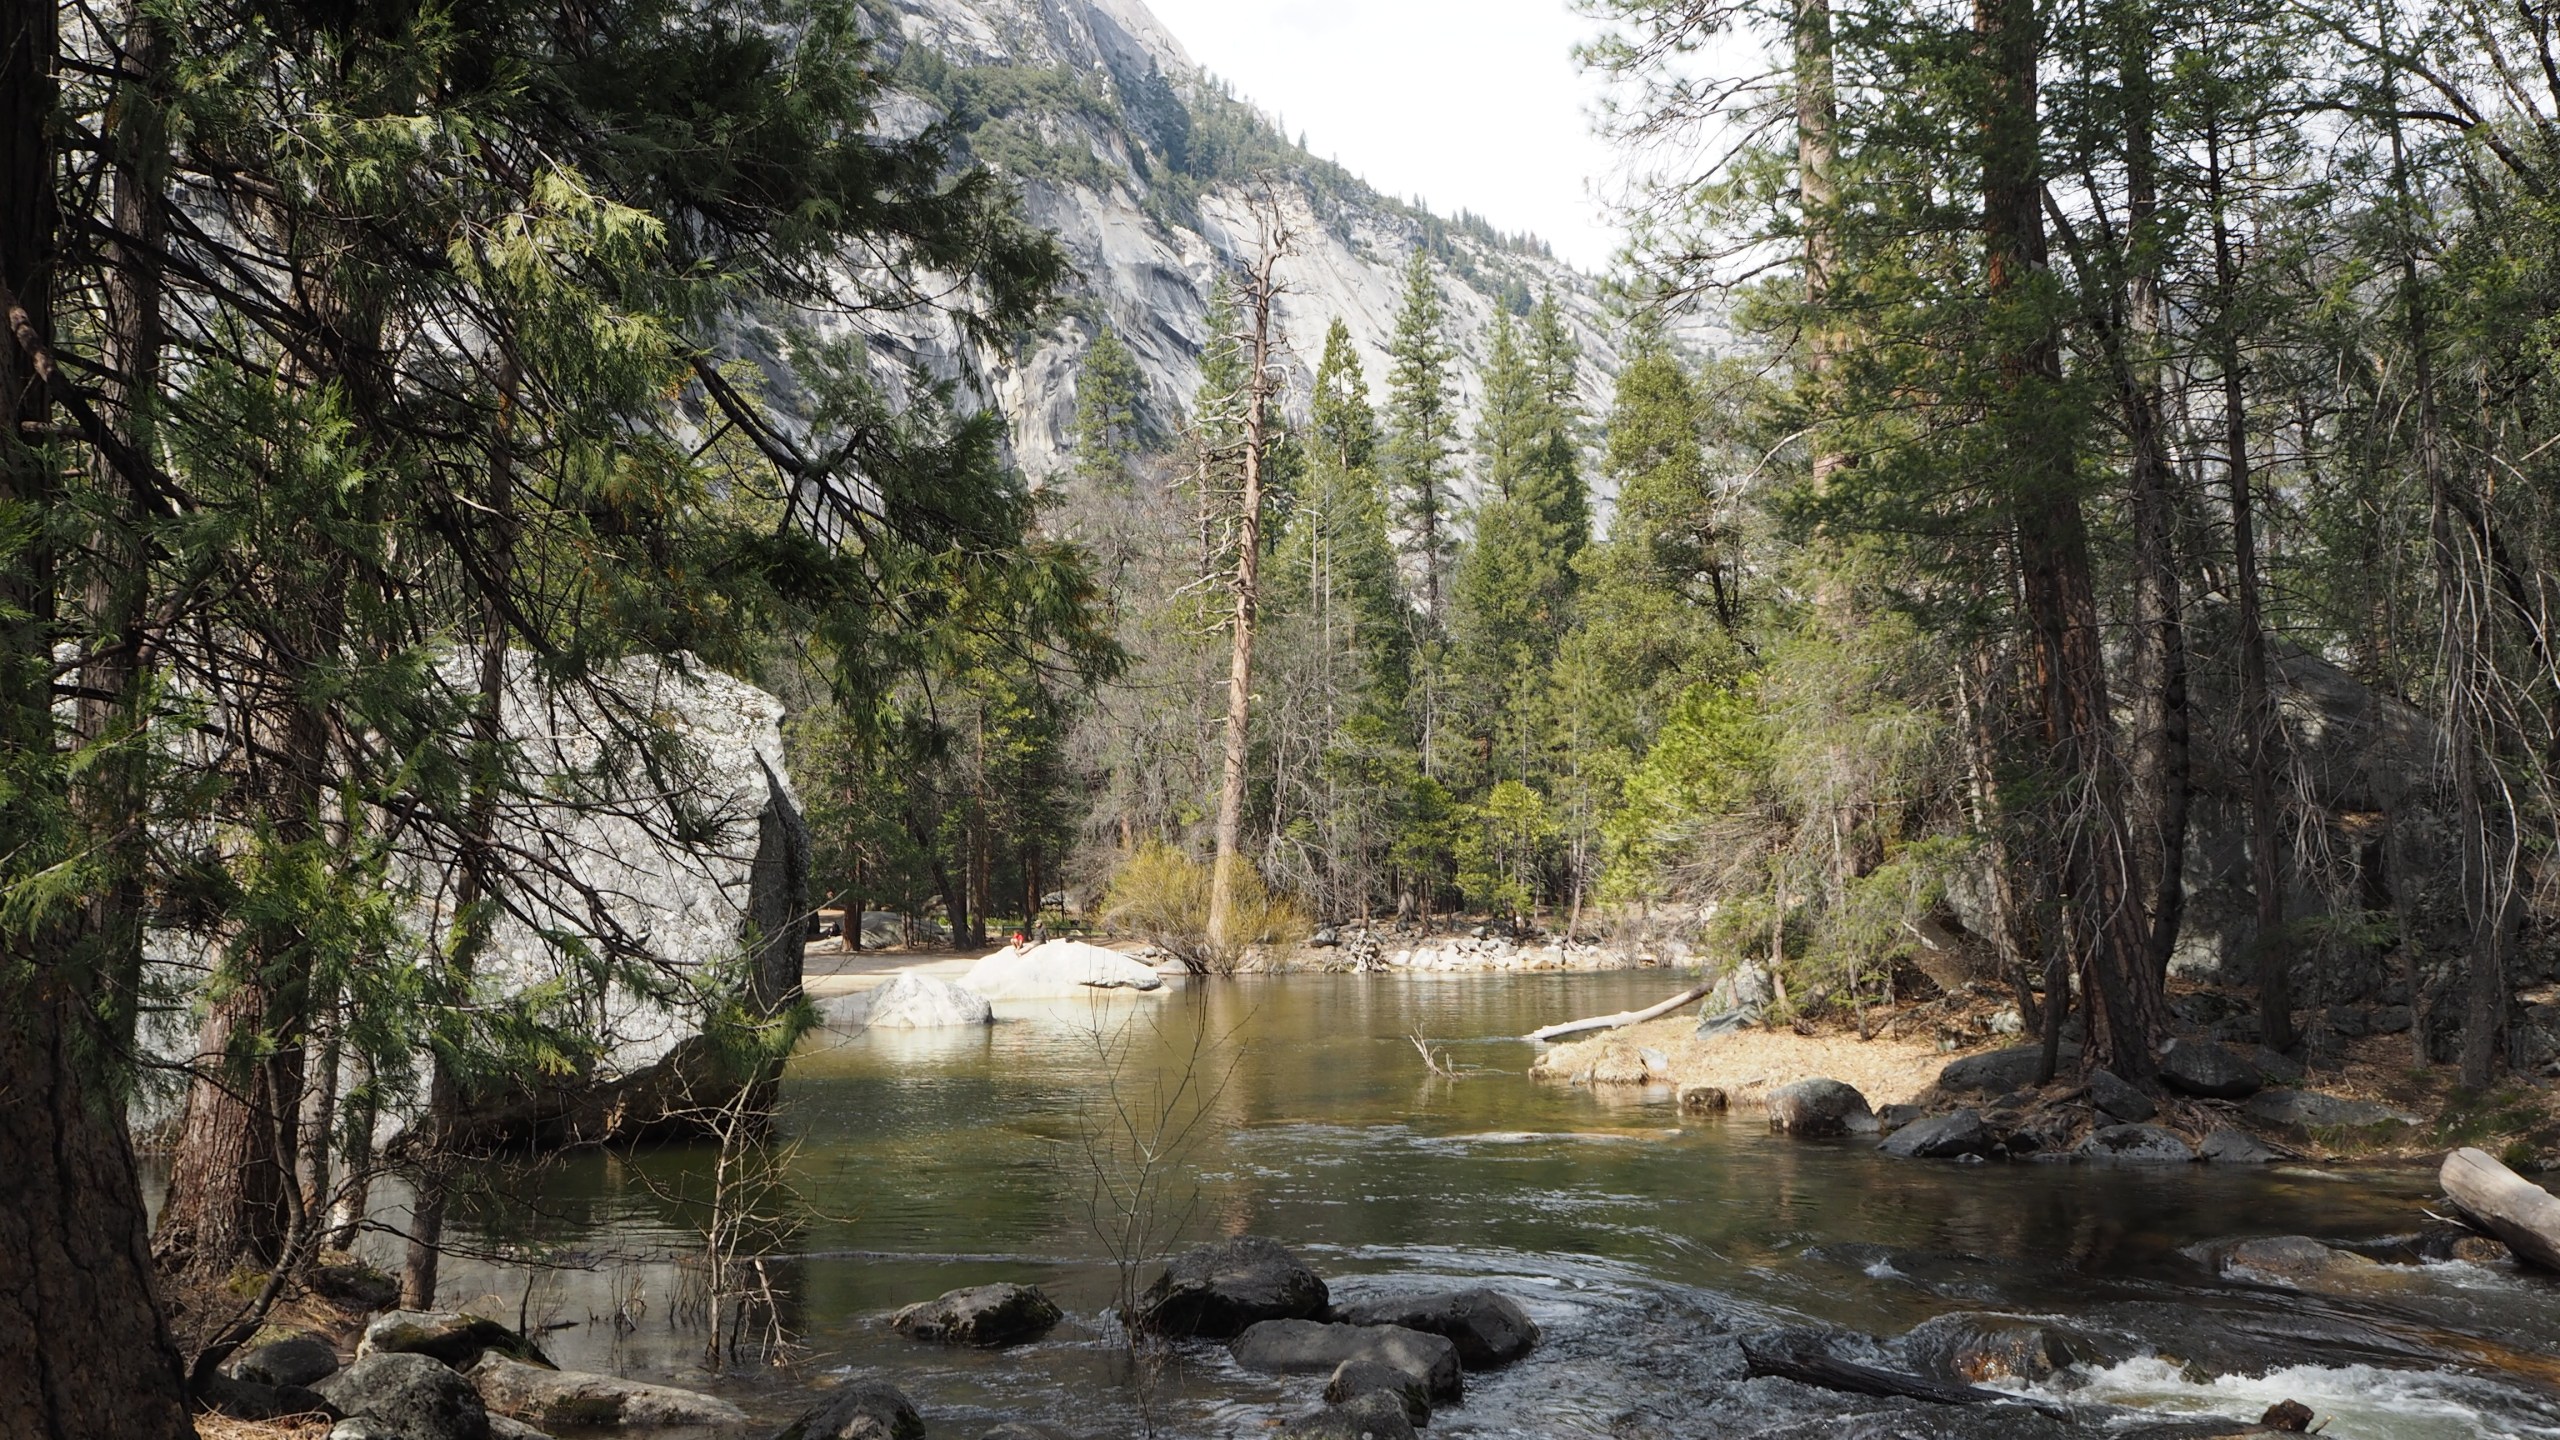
[(1642, 1242)]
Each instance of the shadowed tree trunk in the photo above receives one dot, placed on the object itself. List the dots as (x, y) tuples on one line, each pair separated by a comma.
[(83, 1349), (1259, 291), (2121, 992)]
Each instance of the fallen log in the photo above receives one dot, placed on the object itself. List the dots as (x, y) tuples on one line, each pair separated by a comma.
[(2505, 1204), (1786, 1356), (1622, 1019)]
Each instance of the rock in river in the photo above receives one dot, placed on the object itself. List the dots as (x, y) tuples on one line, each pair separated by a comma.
[(981, 1315), (1973, 1348), (1312, 1347), (910, 1001), (457, 1340), (2113, 1096), (1376, 1415), (2203, 1068), (2135, 1145), (1819, 1107), (859, 1410), (408, 1395), (2226, 1146), (1217, 1290), (1055, 968), (1355, 1378), (1941, 1137), (552, 1398), (1488, 1327)]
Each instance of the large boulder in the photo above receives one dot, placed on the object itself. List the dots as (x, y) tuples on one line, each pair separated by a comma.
[(1488, 1327), (1375, 1415), (1354, 1378), (408, 1395), (1998, 1072), (2113, 1096), (858, 1410), (2135, 1145), (305, 1359), (2306, 1109), (1974, 1348), (551, 1398), (457, 1339), (1941, 1137), (908, 1001), (1055, 968), (1217, 1290), (999, 1314), (1312, 1347), (1819, 1107), (2206, 1069)]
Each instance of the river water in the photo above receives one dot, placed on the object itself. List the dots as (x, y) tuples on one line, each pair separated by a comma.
[(1642, 1242)]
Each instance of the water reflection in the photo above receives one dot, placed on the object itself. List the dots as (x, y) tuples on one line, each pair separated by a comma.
[(936, 1159)]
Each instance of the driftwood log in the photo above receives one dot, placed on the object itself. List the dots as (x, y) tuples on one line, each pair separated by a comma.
[(1786, 1356), (2505, 1204), (1622, 1018)]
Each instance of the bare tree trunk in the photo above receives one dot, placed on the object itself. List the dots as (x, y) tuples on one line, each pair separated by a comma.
[(1818, 197), (2257, 706), (1223, 878)]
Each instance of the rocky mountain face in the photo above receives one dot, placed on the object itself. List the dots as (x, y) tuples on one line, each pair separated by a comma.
[(1152, 176)]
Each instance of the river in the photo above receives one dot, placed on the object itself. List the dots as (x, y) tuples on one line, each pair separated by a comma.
[(1642, 1241)]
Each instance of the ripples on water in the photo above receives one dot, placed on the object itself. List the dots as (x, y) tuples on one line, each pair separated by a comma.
[(1641, 1244)]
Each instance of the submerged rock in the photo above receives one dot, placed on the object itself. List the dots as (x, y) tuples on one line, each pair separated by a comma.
[(552, 1398), (1215, 1291), (1974, 1348), (2293, 1260), (1355, 1378), (2203, 1068), (2135, 1145), (998, 1314), (1817, 1107), (1376, 1415), (1941, 1137), (859, 1410), (1702, 1100), (412, 1396), (1312, 1347), (2226, 1146), (909, 1001), (1488, 1327)]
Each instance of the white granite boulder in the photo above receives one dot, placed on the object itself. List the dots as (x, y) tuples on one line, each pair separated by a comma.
[(1057, 967)]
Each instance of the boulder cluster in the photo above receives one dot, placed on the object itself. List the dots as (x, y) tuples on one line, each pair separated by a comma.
[(1388, 1360)]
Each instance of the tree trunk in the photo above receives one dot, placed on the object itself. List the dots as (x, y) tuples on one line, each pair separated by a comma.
[(475, 886), (2121, 992), (1223, 877), (1818, 198), (83, 1348), (2257, 706), (2162, 775)]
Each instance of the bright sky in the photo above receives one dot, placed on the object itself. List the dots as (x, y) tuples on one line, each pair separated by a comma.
[(1467, 104)]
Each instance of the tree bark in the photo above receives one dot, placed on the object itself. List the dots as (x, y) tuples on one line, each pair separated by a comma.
[(2257, 705), (2121, 993), (1818, 198), (84, 1350), (2162, 778), (1223, 876)]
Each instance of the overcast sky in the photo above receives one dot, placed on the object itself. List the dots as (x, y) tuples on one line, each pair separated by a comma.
[(1467, 104)]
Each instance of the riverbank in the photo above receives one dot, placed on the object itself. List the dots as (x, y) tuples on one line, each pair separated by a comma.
[(2362, 1100)]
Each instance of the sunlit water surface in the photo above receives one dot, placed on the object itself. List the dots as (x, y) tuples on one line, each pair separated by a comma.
[(1641, 1241)]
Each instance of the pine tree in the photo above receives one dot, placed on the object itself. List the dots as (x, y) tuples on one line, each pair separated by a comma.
[(1109, 431), (1554, 475), (1422, 435)]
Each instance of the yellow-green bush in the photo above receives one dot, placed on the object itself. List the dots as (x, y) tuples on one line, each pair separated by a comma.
[(1163, 896)]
